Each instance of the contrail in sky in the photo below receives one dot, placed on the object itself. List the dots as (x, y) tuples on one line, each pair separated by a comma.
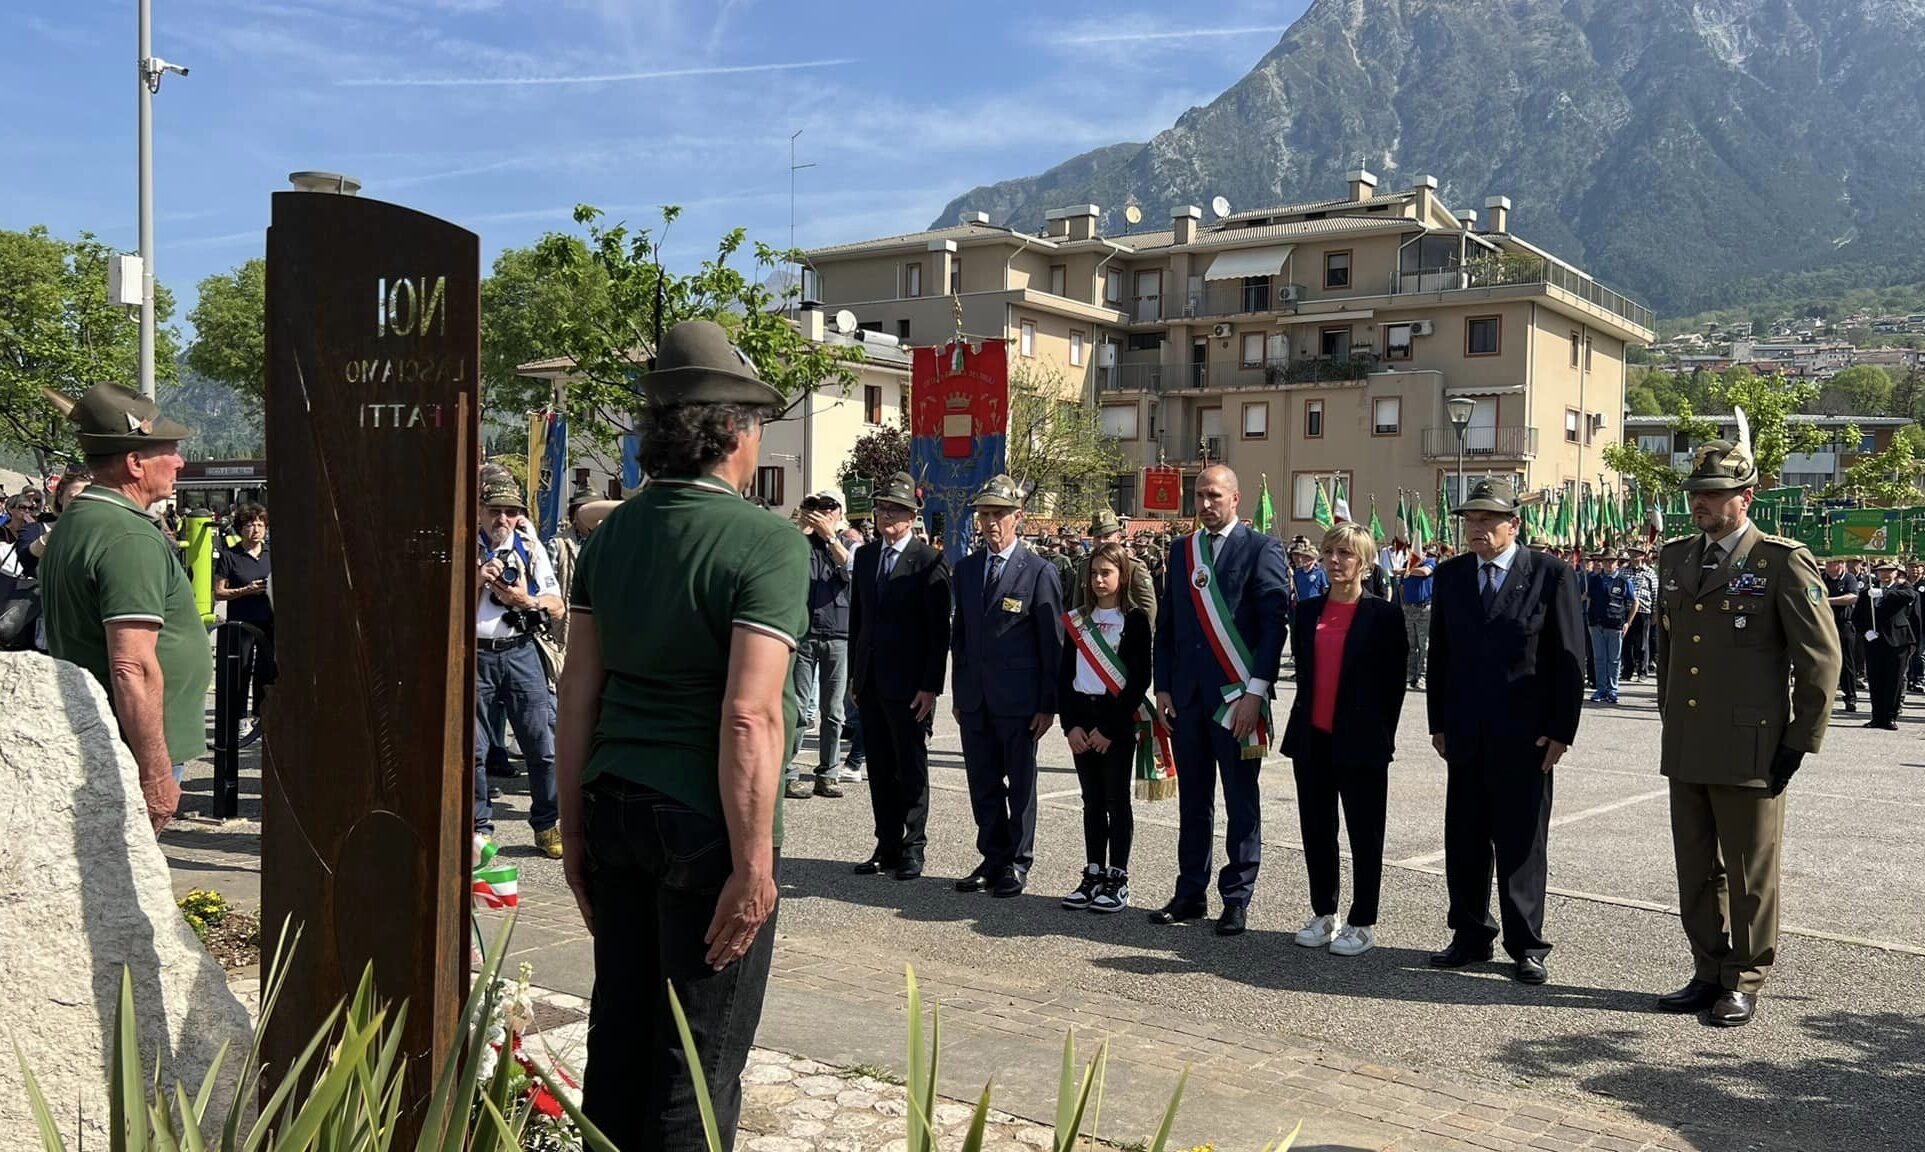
[(610, 78)]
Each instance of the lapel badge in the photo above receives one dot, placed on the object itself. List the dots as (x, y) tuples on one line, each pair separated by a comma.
[(1762, 562), (1671, 585), (1011, 604), (1725, 606)]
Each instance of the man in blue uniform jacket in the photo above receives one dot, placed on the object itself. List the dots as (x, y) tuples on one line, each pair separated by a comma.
[(1219, 643), (1008, 642)]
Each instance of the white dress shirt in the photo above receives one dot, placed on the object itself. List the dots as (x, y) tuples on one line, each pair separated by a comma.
[(1502, 564), (491, 618)]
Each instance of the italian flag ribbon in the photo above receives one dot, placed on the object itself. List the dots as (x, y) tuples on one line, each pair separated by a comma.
[(495, 885), (1155, 762), (1232, 655)]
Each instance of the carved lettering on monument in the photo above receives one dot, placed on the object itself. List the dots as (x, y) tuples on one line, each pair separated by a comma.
[(404, 306)]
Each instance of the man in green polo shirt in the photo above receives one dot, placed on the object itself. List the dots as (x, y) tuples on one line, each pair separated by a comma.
[(676, 715), (116, 599)]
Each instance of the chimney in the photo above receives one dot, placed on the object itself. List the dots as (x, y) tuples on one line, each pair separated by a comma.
[(942, 258), (809, 320), (1074, 223), (1500, 210), (1467, 219), (1362, 184), (973, 218), (1426, 189), (1184, 221)]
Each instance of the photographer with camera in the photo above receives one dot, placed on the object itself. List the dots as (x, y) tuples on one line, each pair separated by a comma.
[(821, 674), (518, 598)]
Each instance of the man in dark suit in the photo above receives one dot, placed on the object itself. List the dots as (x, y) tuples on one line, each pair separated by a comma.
[(1884, 620), (1224, 619), (1506, 688), (1008, 641), (898, 645)]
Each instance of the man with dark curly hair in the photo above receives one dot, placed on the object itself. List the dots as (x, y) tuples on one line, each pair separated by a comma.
[(677, 711)]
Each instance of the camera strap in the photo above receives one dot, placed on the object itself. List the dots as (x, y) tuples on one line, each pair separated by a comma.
[(521, 553)]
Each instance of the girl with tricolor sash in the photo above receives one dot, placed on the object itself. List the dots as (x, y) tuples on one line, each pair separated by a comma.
[(1105, 675)]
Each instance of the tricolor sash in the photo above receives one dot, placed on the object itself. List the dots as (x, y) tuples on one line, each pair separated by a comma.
[(1232, 655), (495, 885), (1155, 762)]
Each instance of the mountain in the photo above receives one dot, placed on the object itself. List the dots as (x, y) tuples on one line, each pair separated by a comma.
[(227, 425), (1693, 153)]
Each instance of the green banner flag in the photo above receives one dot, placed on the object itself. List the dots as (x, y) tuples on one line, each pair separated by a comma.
[(1320, 512), (860, 493), (1266, 513), (1376, 525), (1865, 532)]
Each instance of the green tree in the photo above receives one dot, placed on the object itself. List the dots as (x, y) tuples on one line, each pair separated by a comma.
[(230, 330), (1769, 403), (58, 330), (877, 454), (1655, 476), (610, 345), (1908, 395), (1890, 478), (530, 312), (1861, 390), (1059, 445)]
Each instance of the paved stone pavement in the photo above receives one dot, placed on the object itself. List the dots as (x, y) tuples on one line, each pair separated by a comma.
[(1835, 1060)]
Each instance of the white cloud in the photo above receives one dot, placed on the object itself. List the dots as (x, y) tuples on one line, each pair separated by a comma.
[(603, 78)]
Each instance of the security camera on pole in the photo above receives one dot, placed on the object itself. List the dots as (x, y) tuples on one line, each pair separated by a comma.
[(152, 68)]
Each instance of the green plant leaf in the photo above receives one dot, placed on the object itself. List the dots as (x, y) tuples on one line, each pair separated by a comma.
[(973, 1140), (303, 1129), (190, 1129), (36, 1100), (916, 1123), (1065, 1138), (1283, 1143), (291, 1079), (439, 1128), (1065, 1085), (591, 1136), (193, 1114), (1169, 1113), (127, 1109), (695, 1073), (247, 1083), (929, 1090)]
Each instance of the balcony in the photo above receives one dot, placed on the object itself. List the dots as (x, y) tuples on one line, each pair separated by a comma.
[(1230, 298), (1484, 443), (1514, 271), (1128, 377), (1145, 309)]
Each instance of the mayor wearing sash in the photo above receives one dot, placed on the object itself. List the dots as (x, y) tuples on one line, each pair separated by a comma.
[(1219, 642), (1506, 689), (1008, 643)]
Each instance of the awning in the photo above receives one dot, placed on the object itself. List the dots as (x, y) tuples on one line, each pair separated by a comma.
[(1241, 262), (1486, 390)]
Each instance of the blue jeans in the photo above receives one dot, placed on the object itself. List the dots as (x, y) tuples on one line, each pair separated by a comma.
[(513, 682), (1607, 653), (821, 679)]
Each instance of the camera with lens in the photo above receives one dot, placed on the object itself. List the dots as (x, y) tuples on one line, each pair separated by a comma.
[(520, 619), (813, 504)]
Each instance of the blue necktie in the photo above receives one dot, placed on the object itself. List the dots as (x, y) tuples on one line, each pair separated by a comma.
[(888, 562), (995, 574), (1490, 587)]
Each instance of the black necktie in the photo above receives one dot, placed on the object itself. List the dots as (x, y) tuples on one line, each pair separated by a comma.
[(995, 574), (1490, 587), (1713, 557), (888, 562)]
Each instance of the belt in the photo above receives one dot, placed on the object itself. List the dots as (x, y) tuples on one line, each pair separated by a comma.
[(503, 644)]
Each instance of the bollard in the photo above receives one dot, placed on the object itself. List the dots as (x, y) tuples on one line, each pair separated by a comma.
[(230, 690)]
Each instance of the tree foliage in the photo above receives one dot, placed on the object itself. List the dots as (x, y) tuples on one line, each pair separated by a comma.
[(1654, 475), (610, 344), (1059, 444), (230, 330), (1861, 390), (1769, 403), (530, 312), (57, 329), (877, 454), (1891, 478)]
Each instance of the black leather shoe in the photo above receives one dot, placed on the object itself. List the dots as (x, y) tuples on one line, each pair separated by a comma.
[(1531, 970), (1233, 921), (1460, 954), (1732, 1009), (1693, 997), (874, 866), (1176, 912), (978, 880), (910, 868), (1011, 883)]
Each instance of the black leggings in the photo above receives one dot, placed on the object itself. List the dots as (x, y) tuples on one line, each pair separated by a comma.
[(1365, 796), (1108, 822)]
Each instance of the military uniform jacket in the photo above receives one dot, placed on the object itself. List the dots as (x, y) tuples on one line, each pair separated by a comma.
[(1748, 658), (1893, 614)]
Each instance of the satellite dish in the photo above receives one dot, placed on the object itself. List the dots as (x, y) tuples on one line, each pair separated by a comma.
[(1220, 206), (845, 321), (1133, 214)]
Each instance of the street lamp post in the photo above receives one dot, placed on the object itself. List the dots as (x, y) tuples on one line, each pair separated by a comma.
[(152, 68), (1460, 410)]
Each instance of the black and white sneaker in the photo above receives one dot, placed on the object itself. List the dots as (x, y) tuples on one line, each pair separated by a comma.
[(1114, 895), (1093, 878)]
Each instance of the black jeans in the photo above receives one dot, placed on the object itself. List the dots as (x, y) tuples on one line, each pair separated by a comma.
[(1109, 823), (257, 663), (655, 869), (898, 775), (1365, 796)]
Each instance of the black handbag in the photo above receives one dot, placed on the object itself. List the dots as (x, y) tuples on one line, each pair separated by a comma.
[(19, 609)]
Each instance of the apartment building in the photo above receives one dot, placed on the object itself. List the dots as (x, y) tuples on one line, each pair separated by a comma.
[(1311, 340), (1657, 436)]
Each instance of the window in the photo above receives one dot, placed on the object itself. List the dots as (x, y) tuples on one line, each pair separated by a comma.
[(768, 485), (1256, 293), (1481, 335), (902, 330), (1312, 419), (1336, 269), (1334, 343), (1028, 342), (1119, 421), (1252, 350), (1655, 443), (912, 280), (872, 403), (1123, 493), (1570, 425), (1113, 285), (1587, 353), (1397, 342), (1058, 280), (1575, 338), (811, 284), (1144, 341), (955, 276), (1867, 444), (1387, 416), (1303, 492), (1256, 421), (1075, 349)]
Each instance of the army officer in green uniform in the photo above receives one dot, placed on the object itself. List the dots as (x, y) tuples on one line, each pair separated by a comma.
[(676, 713), (1748, 659)]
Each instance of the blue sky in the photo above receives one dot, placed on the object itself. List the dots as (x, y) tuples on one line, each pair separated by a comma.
[(501, 115)]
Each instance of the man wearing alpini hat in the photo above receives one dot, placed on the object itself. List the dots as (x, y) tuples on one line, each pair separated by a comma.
[(1748, 659), (677, 710), (116, 598), (1104, 527)]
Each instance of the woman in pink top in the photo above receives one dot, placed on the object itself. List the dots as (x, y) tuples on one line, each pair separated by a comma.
[(1350, 652)]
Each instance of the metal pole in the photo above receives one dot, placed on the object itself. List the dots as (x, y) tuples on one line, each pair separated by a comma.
[(146, 162), (1458, 527)]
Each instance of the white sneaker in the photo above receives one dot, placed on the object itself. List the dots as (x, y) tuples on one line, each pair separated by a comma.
[(1354, 940), (1318, 932)]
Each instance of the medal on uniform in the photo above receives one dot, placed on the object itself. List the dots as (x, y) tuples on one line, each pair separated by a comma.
[(1011, 604), (1740, 622), (1671, 585)]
